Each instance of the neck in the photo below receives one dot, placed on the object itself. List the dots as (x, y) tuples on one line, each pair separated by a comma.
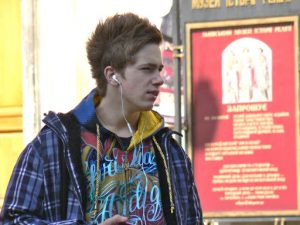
[(112, 118)]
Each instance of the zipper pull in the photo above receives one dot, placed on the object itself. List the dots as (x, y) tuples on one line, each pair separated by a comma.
[(126, 166), (172, 208)]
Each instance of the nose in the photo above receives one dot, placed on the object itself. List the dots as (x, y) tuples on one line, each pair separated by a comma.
[(158, 80)]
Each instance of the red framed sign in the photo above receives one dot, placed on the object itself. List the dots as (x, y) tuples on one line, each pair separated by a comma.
[(243, 96)]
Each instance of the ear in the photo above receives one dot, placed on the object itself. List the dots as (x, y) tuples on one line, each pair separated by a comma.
[(108, 73)]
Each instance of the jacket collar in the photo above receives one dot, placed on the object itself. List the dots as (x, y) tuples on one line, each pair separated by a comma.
[(85, 112)]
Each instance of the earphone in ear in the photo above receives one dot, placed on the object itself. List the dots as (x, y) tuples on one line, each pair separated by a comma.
[(114, 77)]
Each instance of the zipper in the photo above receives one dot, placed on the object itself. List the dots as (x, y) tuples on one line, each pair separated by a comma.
[(126, 168), (172, 205), (126, 179)]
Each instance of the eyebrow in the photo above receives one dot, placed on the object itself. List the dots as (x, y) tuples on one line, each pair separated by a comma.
[(160, 66)]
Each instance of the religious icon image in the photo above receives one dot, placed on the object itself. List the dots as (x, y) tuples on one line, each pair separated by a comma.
[(246, 72)]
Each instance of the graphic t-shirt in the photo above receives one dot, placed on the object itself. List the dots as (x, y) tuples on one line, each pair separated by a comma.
[(122, 182)]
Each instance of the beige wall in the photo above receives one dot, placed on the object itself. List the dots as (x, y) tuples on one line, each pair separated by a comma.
[(11, 132)]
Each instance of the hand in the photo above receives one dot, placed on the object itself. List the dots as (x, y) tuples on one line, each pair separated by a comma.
[(115, 220)]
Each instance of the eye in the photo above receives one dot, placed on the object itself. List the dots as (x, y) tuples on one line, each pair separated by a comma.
[(148, 69), (151, 68), (160, 68)]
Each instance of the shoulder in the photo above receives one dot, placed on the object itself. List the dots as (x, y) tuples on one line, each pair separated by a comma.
[(48, 139), (166, 139), (43, 146)]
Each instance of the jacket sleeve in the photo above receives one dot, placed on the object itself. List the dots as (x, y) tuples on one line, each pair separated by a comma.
[(189, 206), (27, 200), (195, 210)]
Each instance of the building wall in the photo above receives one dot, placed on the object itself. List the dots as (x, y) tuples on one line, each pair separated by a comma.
[(11, 131)]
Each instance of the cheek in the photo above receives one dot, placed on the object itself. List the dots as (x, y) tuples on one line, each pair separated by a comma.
[(131, 90), (137, 84)]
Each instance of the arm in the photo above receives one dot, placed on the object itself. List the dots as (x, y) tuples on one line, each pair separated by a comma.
[(27, 200), (195, 211), (185, 186)]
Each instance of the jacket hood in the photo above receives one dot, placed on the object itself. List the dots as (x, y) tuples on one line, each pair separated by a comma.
[(85, 112)]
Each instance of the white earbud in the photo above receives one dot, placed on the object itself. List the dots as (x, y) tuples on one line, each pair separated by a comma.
[(114, 77)]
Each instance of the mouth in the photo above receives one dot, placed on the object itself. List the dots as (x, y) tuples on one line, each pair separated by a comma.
[(154, 93)]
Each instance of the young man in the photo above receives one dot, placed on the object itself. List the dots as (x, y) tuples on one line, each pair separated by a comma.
[(110, 160)]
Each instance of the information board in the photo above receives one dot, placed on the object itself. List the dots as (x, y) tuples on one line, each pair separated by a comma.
[(243, 95)]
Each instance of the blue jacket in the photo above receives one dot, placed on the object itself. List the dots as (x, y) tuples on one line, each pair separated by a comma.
[(33, 193)]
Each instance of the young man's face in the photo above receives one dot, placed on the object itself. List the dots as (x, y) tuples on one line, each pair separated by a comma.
[(142, 79)]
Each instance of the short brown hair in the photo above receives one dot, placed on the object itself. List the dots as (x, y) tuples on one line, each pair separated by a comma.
[(115, 43)]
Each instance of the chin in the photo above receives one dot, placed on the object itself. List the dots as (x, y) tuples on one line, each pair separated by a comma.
[(143, 106), (146, 107)]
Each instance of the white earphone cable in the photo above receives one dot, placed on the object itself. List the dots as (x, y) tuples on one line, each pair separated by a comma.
[(142, 145)]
